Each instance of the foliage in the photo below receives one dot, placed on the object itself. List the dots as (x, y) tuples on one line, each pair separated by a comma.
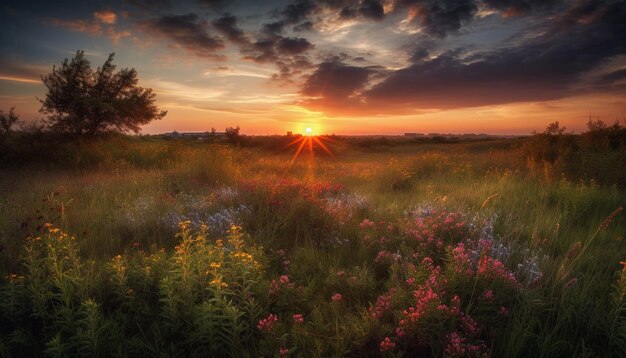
[(7, 120), (426, 250), (83, 102), (592, 156), (232, 134)]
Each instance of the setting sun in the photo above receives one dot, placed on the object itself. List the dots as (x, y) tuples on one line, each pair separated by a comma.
[(308, 131)]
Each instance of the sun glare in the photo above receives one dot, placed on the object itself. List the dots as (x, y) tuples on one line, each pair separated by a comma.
[(308, 131)]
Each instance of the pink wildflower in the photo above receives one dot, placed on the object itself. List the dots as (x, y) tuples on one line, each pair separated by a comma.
[(386, 345), (267, 324), (283, 352), (488, 296), (454, 345), (336, 297), (504, 311), (297, 318)]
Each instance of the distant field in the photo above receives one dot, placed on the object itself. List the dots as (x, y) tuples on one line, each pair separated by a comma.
[(144, 246)]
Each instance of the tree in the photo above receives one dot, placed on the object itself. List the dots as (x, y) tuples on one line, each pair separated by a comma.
[(86, 103), (554, 128), (232, 134), (7, 120)]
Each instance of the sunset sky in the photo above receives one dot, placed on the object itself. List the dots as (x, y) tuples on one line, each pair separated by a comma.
[(345, 67)]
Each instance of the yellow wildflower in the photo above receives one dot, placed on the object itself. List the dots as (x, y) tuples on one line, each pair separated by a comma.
[(217, 282), (215, 265)]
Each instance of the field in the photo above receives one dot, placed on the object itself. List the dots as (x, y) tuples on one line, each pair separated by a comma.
[(150, 247)]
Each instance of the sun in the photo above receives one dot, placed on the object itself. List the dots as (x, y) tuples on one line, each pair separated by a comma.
[(309, 142)]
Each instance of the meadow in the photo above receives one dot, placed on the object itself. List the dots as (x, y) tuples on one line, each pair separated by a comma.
[(141, 246)]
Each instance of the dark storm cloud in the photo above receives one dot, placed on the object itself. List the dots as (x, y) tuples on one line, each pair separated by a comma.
[(371, 9), (612, 77), (517, 7), (440, 17), (227, 25), (541, 69), (185, 31), (336, 81), (298, 11), (547, 66), (290, 69), (301, 13), (303, 27), (293, 46), (261, 51)]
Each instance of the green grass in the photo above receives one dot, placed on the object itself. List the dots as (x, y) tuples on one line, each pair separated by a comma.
[(122, 197)]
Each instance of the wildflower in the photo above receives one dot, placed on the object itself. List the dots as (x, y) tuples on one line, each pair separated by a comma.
[(410, 281), (386, 345), (488, 296), (366, 224), (454, 345), (297, 318), (336, 297), (283, 352), (216, 265), (342, 273), (217, 282), (267, 324), (504, 311), (136, 244), (184, 225)]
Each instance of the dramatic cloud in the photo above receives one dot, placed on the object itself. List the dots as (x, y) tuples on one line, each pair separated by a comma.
[(371, 9), (323, 82), (293, 46), (517, 7), (545, 67), (187, 32), (101, 24), (227, 25), (439, 17), (343, 57)]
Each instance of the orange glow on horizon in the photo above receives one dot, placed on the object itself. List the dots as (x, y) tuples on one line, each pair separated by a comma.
[(310, 142)]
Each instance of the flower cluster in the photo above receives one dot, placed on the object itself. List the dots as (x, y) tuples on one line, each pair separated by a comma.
[(278, 286), (267, 325)]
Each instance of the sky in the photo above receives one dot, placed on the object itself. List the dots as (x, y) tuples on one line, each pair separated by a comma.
[(336, 66)]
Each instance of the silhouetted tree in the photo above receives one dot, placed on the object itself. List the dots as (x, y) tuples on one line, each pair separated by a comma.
[(554, 128), (85, 103), (7, 120), (232, 134)]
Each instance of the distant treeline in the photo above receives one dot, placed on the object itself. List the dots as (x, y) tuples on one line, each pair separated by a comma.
[(597, 155)]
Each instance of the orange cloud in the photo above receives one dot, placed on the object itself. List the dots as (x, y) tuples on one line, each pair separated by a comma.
[(79, 26), (105, 16)]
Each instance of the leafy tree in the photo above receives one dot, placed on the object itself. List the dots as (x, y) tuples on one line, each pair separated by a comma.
[(232, 134), (554, 128), (86, 103), (7, 120)]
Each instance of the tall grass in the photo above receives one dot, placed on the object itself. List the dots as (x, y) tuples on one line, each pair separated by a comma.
[(128, 285)]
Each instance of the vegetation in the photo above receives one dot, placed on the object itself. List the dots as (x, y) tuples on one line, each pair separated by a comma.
[(81, 102), (144, 246), (7, 120)]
